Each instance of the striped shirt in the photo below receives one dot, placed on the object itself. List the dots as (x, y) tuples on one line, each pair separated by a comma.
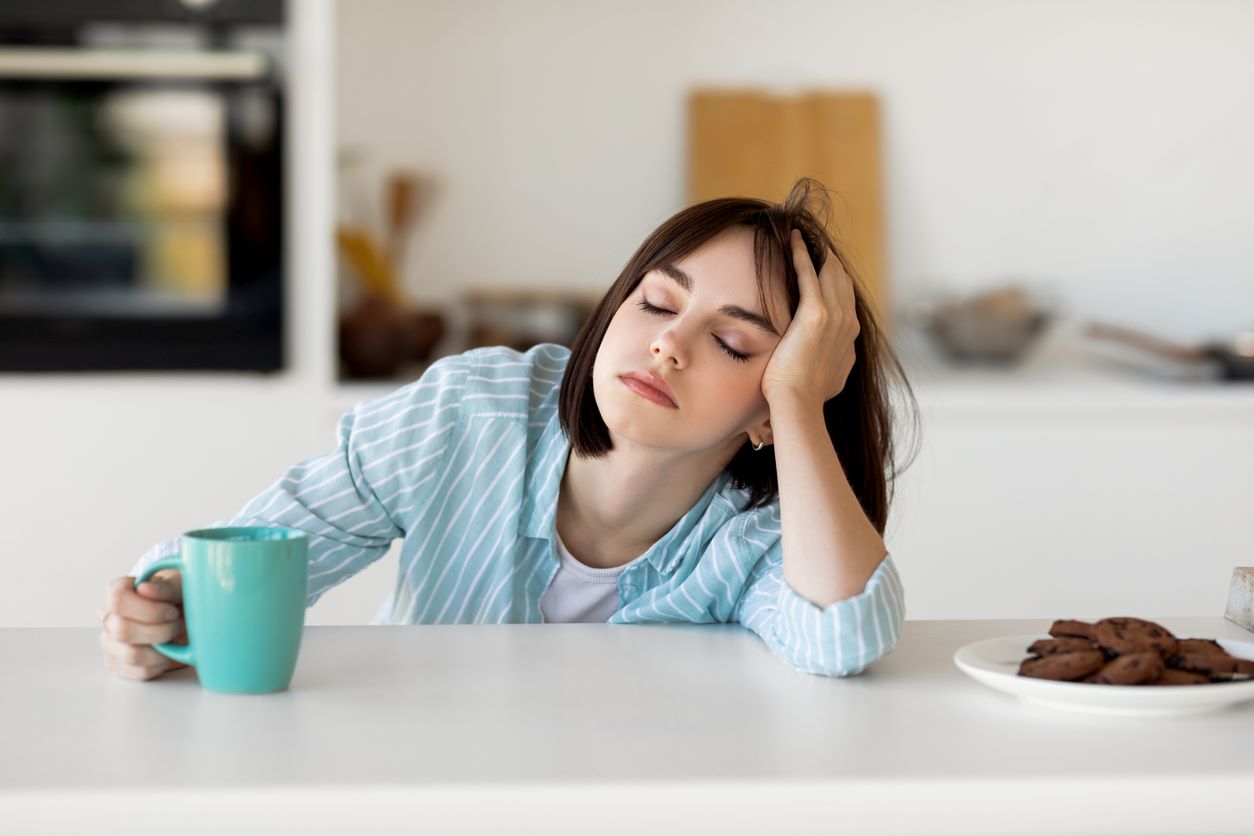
[(465, 464)]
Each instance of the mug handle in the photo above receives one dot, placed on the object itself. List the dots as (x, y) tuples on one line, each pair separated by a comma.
[(177, 652)]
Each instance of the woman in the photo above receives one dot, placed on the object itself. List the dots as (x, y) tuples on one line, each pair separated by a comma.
[(716, 446)]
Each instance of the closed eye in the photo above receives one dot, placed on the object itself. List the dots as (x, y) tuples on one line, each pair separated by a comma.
[(728, 350)]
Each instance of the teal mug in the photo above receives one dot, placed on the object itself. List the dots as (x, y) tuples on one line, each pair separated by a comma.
[(244, 592)]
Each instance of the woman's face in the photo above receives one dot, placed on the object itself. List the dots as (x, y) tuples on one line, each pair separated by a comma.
[(698, 339)]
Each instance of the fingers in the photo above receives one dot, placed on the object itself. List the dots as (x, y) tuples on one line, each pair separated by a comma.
[(834, 286), (800, 255), (134, 661), (836, 282), (131, 618), (137, 632), (807, 279), (166, 585), (134, 620), (841, 283), (152, 604)]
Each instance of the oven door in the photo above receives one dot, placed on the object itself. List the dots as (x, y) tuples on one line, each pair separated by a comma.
[(141, 211)]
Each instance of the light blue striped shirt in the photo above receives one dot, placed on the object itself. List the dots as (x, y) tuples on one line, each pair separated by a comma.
[(465, 465)]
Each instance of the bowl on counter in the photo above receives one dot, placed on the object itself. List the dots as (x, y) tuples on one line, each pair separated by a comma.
[(997, 326)]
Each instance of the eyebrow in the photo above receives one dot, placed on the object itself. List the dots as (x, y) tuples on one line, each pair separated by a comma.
[(734, 311)]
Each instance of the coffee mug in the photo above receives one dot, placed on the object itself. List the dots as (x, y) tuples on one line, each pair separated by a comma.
[(244, 592)]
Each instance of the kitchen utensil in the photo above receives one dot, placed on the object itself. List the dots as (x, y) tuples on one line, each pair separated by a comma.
[(1240, 609), (359, 247), (995, 663), (401, 193), (1233, 358), (995, 326)]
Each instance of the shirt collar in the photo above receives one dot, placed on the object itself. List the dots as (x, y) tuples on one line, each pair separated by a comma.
[(542, 481)]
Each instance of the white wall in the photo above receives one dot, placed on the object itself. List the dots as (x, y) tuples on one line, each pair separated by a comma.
[(1102, 148), (1101, 145)]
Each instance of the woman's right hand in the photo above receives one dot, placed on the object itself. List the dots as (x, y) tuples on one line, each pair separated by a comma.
[(134, 620)]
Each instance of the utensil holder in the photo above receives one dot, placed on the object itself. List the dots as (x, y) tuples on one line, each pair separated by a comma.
[(1240, 609)]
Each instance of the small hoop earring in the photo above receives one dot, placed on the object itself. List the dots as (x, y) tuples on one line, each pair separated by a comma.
[(758, 446)]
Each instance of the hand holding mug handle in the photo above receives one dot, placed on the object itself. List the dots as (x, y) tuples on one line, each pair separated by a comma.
[(178, 652)]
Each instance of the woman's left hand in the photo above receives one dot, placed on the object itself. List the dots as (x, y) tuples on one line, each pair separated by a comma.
[(816, 354)]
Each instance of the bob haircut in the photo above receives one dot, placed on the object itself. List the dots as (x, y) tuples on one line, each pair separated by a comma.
[(859, 420)]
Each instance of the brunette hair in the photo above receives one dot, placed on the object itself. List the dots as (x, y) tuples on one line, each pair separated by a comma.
[(859, 419)]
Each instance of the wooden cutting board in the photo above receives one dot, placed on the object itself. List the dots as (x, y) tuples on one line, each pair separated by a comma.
[(746, 142)]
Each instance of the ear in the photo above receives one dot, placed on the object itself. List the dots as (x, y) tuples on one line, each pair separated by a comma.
[(761, 431)]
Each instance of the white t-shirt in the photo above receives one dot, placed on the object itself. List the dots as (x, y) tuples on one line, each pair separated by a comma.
[(580, 593)]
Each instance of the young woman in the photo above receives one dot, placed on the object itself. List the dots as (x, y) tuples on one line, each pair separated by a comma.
[(716, 446)]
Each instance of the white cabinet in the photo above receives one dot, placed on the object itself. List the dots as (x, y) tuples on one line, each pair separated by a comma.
[(1073, 489)]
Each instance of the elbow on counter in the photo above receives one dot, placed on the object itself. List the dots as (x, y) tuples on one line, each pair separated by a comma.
[(846, 637)]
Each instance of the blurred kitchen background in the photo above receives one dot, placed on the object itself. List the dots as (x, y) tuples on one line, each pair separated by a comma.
[(224, 223)]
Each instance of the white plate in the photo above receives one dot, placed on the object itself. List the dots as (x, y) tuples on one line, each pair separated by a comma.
[(995, 662)]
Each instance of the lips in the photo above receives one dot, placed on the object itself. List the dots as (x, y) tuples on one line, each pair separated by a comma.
[(649, 385)]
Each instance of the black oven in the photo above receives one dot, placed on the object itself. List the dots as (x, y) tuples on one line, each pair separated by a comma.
[(141, 185)]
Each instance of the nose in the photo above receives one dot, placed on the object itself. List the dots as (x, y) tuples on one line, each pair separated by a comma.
[(670, 350)]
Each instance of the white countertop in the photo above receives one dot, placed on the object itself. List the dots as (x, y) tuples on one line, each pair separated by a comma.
[(459, 728)]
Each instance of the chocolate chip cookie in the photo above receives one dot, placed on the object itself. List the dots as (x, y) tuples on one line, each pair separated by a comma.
[(1171, 676), (1201, 646), (1063, 666), (1129, 651), (1124, 634), (1065, 644), (1070, 627), (1214, 665), (1132, 669)]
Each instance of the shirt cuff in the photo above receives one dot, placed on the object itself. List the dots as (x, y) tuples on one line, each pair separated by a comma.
[(844, 637)]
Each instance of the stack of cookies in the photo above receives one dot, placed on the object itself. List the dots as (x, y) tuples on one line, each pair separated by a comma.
[(1129, 651)]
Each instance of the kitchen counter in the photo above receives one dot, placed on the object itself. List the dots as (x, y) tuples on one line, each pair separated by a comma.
[(579, 728), (1069, 377)]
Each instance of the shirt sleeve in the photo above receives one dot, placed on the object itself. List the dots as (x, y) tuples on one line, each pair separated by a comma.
[(841, 639), (353, 501)]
